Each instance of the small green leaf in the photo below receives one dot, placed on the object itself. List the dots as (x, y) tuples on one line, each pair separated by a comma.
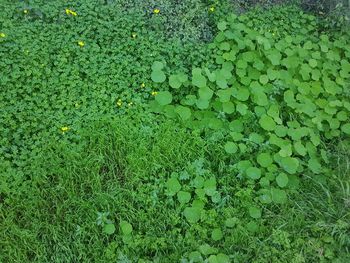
[(264, 79), (255, 212), (278, 196), (173, 185), (109, 229), (222, 25), (174, 82), (125, 227), (216, 234), (346, 128), (192, 214), (183, 197)]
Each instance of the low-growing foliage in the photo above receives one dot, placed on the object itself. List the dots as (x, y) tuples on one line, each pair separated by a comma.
[(245, 159)]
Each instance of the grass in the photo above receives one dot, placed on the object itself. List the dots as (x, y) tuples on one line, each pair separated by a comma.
[(121, 168)]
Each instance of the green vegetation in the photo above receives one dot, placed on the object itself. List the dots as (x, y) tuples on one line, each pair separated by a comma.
[(156, 131)]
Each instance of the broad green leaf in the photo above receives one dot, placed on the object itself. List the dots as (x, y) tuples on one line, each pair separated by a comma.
[(346, 128), (205, 93), (216, 234), (267, 123), (278, 196), (198, 79), (192, 214), (209, 186), (157, 66), (264, 159), (202, 104), (158, 76), (109, 229), (253, 173), (289, 164), (183, 197), (174, 82), (125, 227), (184, 112), (264, 79), (164, 98), (255, 212), (228, 107), (231, 147), (173, 185), (282, 180)]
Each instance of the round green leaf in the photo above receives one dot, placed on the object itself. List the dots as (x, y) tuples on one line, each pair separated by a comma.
[(192, 214), (264, 79), (164, 98), (174, 82), (125, 227), (264, 159), (183, 197), (231, 147), (228, 107), (282, 180), (255, 212), (289, 164), (158, 76), (216, 234), (173, 185), (109, 229), (346, 128), (184, 112), (253, 173), (267, 123), (278, 196), (157, 66)]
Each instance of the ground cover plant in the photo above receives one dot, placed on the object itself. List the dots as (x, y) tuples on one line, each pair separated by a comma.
[(171, 131)]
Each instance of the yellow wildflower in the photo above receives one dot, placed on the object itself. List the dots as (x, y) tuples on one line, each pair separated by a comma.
[(143, 85), (81, 43), (212, 9), (64, 129), (119, 103), (156, 11), (25, 11), (2, 35), (130, 103), (70, 12), (154, 93), (134, 35)]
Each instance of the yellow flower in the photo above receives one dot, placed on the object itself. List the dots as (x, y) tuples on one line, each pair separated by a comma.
[(119, 103), (143, 85), (130, 103), (70, 12), (212, 9), (156, 11), (25, 11), (154, 93), (134, 35), (81, 43), (2, 35), (64, 129)]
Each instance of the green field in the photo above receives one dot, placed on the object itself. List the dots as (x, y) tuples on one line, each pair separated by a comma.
[(173, 131)]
